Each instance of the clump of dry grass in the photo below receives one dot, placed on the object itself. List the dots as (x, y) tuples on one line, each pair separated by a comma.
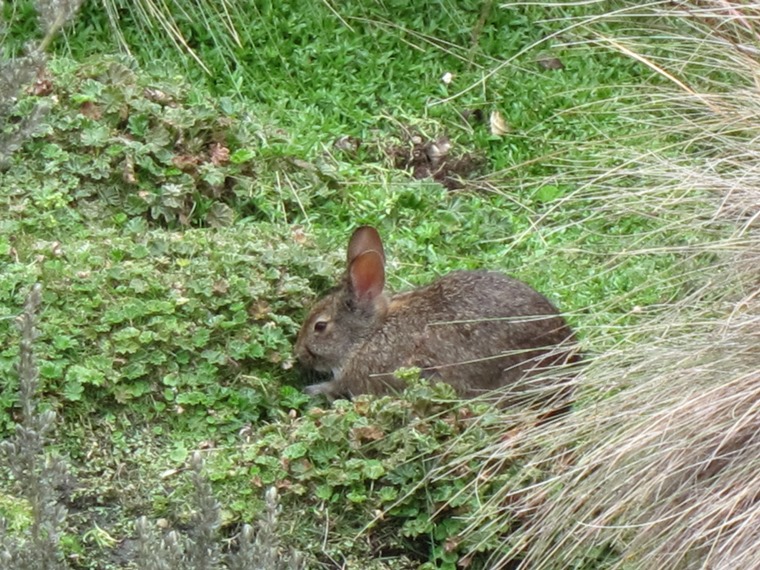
[(658, 465)]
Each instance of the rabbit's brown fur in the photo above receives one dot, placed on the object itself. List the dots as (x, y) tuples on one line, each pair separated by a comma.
[(475, 330)]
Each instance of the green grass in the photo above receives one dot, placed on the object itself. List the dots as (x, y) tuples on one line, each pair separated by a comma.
[(321, 74), (182, 223)]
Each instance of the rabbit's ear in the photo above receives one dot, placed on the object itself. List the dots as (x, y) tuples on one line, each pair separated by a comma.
[(367, 276), (364, 239)]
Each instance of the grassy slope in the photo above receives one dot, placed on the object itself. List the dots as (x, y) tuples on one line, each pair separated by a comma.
[(175, 338)]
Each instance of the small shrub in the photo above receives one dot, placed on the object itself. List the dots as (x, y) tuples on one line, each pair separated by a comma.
[(28, 71), (199, 548), (35, 472)]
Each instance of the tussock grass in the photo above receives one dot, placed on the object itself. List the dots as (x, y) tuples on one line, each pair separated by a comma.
[(657, 467)]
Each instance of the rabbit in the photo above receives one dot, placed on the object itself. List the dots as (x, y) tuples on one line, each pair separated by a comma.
[(475, 330)]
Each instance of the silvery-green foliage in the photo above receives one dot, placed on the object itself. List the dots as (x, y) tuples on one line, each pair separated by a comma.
[(18, 73), (157, 553), (203, 543), (35, 473), (52, 14), (261, 549)]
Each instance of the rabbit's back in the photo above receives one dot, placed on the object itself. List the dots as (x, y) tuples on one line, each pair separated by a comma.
[(476, 330)]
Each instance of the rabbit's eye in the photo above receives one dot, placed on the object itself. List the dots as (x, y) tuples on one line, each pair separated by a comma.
[(320, 326)]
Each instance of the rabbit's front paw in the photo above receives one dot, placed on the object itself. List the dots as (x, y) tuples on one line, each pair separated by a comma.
[(323, 388)]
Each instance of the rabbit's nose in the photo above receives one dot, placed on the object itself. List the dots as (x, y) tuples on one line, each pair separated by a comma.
[(304, 354)]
